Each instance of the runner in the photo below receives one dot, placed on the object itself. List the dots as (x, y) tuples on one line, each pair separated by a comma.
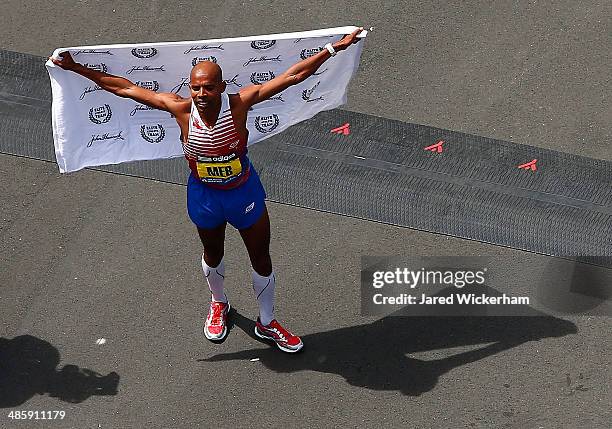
[(223, 185)]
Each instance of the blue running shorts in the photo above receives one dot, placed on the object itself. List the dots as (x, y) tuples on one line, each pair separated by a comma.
[(241, 206)]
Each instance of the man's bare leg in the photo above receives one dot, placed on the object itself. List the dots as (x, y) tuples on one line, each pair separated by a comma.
[(257, 241), (213, 241)]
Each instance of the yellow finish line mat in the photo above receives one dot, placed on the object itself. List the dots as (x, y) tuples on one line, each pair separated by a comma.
[(384, 170)]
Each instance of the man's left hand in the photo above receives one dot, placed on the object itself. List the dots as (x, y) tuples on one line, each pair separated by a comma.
[(347, 40)]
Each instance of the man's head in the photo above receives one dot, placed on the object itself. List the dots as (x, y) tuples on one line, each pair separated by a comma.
[(206, 84)]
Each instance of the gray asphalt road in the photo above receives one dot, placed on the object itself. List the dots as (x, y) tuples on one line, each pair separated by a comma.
[(94, 255)]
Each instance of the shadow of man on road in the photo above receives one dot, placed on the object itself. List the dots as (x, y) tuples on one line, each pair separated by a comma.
[(28, 367), (376, 355)]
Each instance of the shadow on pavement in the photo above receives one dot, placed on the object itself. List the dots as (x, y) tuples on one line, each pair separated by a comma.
[(376, 355), (28, 367)]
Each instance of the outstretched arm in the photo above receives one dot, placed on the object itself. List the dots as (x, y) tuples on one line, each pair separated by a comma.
[(118, 85), (299, 72)]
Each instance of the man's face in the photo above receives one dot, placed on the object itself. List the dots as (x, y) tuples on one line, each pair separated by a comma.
[(206, 90)]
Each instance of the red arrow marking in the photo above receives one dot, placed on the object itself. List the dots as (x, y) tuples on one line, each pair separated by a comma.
[(344, 129), (531, 165), (436, 147)]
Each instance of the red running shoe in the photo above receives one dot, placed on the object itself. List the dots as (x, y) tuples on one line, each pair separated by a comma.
[(284, 339), (215, 327)]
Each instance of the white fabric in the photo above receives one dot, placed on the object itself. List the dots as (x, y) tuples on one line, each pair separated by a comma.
[(94, 127)]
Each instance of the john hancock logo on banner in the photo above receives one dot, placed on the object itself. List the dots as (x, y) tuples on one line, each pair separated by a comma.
[(92, 51), (203, 48), (307, 94), (152, 133), (200, 59), (233, 81), (101, 114), (307, 53), (266, 124), (262, 44), (146, 69), (260, 77), (262, 59), (144, 52)]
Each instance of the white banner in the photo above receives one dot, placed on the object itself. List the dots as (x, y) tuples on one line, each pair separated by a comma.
[(94, 127)]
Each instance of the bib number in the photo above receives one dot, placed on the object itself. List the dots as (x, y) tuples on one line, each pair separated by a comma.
[(219, 170)]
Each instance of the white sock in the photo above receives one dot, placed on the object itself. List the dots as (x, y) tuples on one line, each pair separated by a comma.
[(264, 292), (214, 277)]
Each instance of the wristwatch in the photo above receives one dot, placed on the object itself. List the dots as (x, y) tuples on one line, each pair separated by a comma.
[(330, 49)]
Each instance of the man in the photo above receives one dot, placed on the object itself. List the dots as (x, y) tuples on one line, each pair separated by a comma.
[(223, 186)]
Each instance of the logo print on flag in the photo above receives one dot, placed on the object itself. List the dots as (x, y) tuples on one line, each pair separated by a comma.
[(91, 51), (101, 114), (183, 83), (263, 59), (233, 81), (103, 137), (152, 85), (307, 53), (307, 94), (266, 124), (152, 133), (277, 97), (144, 52), (140, 107), (197, 60), (260, 77), (262, 44), (203, 48), (146, 68), (98, 67), (89, 90)]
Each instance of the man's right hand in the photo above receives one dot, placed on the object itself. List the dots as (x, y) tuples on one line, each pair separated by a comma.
[(65, 61)]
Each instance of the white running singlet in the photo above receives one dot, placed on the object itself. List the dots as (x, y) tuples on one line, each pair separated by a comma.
[(216, 155)]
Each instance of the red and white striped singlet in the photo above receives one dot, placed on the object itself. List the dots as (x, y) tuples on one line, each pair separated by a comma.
[(217, 155)]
